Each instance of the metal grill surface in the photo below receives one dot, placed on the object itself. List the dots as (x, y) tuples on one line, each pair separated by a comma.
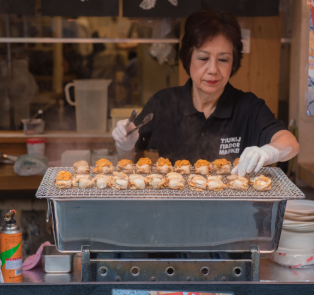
[(281, 188)]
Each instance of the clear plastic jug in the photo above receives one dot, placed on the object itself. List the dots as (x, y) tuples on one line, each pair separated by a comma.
[(91, 102)]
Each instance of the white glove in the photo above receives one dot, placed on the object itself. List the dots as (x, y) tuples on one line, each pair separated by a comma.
[(119, 135), (254, 158)]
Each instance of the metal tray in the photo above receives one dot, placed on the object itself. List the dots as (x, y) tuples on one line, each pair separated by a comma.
[(168, 220), (282, 188), (166, 225), (56, 262)]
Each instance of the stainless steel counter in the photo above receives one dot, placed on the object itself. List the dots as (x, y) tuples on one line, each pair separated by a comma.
[(270, 272), (37, 275)]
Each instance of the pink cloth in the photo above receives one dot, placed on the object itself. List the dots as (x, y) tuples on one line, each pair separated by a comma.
[(31, 261)]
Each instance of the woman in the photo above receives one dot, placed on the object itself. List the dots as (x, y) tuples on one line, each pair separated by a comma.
[(207, 118)]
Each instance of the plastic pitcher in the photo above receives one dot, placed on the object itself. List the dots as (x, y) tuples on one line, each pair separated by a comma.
[(91, 102)]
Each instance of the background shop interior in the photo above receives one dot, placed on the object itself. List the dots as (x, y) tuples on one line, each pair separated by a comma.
[(140, 57)]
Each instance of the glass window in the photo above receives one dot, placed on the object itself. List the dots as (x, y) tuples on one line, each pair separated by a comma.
[(127, 51)]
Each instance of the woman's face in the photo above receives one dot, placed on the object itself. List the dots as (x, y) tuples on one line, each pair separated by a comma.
[(211, 65)]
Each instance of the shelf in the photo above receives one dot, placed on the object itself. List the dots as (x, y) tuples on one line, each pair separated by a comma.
[(56, 136), (88, 40), (9, 180)]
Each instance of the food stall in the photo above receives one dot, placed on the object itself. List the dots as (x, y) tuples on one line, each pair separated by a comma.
[(99, 223), (132, 240), (137, 239)]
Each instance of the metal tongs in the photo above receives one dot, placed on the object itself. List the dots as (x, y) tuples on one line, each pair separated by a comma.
[(132, 118), (146, 120)]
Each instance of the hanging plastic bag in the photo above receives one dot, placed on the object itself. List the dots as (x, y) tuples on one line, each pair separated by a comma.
[(28, 165)]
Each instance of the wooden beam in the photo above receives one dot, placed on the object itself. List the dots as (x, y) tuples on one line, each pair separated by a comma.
[(260, 68), (299, 81), (57, 76)]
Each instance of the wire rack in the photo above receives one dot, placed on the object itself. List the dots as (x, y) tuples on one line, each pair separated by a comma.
[(282, 188)]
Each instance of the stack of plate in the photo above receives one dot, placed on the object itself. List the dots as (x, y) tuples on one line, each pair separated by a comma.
[(296, 246), (299, 216), (298, 226)]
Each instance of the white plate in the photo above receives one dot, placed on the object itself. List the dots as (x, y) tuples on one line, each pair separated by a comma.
[(298, 218), (300, 229), (293, 222), (299, 213), (298, 225), (302, 206)]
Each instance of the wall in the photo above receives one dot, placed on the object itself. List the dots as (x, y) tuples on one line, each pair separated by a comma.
[(153, 76), (298, 81), (298, 92), (259, 72)]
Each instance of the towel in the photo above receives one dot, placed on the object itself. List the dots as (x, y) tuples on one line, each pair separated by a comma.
[(31, 261)]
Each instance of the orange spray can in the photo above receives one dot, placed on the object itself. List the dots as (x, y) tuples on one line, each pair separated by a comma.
[(11, 249)]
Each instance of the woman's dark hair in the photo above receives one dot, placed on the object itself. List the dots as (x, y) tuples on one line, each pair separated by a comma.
[(204, 25)]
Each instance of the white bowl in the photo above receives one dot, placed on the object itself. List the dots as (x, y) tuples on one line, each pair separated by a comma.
[(293, 260), (297, 242)]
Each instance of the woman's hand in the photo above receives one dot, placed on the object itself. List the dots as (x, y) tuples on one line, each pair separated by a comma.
[(119, 135), (254, 158), (283, 147)]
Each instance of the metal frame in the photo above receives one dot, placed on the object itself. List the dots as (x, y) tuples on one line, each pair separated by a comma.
[(174, 270), (119, 226), (282, 188), (111, 270)]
